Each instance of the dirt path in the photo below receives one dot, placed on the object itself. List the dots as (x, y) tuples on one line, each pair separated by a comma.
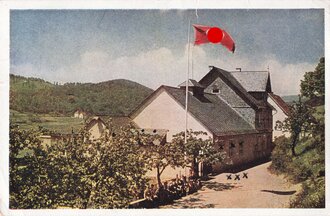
[(260, 190)]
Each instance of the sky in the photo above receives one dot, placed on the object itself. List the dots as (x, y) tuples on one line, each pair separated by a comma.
[(151, 47)]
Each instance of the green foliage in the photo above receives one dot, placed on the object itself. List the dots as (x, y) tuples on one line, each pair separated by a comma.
[(306, 164), (61, 124), (299, 120), (177, 153), (116, 97), (313, 84), (197, 149), (281, 156), (76, 173), (312, 194), (160, 154)]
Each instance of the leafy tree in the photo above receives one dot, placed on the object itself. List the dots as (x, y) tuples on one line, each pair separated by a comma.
[(308, 166), (298, 120), (313, 85), (302, 114), (77, 172), (280, 155), (179, 154), (25, 175), (160, 154), (197, 150)]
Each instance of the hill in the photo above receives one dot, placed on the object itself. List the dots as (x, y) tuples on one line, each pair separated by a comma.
[(115, 97), (290, 98)]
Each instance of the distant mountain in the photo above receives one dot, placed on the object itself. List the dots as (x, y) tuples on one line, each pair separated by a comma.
[(114, 97), (290, 98)]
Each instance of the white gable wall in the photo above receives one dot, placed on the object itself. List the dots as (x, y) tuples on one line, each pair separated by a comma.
[(96, 130), (166, 113), (278, 115)]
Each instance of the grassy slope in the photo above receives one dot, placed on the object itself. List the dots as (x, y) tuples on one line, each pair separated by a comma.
[(308, 167), (62, 124)]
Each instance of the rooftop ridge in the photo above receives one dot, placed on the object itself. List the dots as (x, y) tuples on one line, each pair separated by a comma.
[(246, 71)]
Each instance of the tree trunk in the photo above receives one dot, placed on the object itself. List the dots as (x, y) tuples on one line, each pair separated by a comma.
[(194, 168), (158, 178), (294, 143), (293, 150)]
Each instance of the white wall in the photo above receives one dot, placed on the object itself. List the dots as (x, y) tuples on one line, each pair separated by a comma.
[(96, 130), (278, 115), (165, 113)]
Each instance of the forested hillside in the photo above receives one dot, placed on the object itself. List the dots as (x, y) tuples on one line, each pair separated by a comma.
[(115, 97)]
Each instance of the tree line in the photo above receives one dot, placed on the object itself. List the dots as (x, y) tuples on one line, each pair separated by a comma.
[(116, 97)]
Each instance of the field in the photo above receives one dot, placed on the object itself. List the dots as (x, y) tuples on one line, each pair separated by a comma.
[(61, 124)]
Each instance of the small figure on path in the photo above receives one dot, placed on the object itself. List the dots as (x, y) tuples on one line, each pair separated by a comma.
[(245, 175), (228, 176), (237, 177)]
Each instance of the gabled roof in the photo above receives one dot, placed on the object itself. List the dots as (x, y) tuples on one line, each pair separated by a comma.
[(94, 120), (253, 81), (233, 83), (118, 121), (280, 103), (214, 113), (191, 83)]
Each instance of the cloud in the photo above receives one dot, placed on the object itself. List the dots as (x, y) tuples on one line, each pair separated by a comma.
[(164, 67)]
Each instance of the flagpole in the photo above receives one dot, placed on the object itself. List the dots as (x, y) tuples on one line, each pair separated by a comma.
[(193, 48), (187, 80)]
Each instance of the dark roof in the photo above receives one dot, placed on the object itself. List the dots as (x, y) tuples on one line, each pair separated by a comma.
[(280, 102), (118, 121), (214, 113), (252, 81), (191, 83), (232, 82)]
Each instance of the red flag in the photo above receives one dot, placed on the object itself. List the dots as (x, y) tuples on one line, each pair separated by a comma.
[(207, 34)]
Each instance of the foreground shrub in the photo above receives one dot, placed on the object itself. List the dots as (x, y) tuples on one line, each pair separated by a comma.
[(312, 194), (281, 158)]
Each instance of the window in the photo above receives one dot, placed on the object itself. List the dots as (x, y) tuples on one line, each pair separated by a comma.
[(278, 125), (259, 141), (231, 147), (216, 90), (221, 144), (256, 147), (241, 148), (258, 120)]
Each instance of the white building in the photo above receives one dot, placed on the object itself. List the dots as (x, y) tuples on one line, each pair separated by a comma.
[(231, 108), (79, 114), (96, 127), (280, 113)]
